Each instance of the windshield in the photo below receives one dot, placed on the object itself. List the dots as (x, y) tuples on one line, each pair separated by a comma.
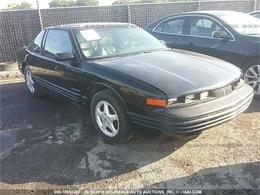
[(242, 23), (111, 41)]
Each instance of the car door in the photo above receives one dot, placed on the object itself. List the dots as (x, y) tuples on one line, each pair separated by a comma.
[(171, 32), (200, 39), (34, 54), (60, 76)]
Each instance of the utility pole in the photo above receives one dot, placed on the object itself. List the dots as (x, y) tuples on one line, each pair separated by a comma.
[(129, 11), (39, 14), (198, 5)]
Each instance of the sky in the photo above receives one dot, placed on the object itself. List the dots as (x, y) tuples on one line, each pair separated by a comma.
[(44, 3)]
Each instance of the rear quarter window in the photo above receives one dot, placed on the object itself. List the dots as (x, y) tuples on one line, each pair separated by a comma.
[(174, 26)]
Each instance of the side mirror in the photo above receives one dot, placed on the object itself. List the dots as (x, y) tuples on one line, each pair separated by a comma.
[(221, 35), (64, 56)]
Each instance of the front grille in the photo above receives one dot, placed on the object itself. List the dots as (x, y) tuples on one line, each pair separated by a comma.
[(171, 120), (221, 92), (207, 95)]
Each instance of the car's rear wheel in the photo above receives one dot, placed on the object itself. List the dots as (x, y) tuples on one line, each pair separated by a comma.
[(31, 85), (108, 117), (252, 77)]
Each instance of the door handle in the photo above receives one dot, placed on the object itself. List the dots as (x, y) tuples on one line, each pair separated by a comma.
[(191, 44)]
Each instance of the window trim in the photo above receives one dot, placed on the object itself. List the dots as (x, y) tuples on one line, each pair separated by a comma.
[(79, 54), (169, 19), (194, 15), (41, 44)]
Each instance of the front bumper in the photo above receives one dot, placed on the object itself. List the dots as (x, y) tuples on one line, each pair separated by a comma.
[(196, 117)]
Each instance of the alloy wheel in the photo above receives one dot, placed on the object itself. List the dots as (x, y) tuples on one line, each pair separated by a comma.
[(252, 78), (29, 81), (107, 118)]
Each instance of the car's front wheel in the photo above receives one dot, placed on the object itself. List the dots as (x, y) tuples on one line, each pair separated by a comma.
[(252, 77), (108, 117), (31, 85)]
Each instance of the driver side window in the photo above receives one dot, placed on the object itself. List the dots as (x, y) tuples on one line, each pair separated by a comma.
[(57, 41), (35, 45)]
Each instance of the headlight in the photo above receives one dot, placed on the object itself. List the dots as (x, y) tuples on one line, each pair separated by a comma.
[(203, 95), (194, 97), (189, 98), (206, 95), (241, 74)]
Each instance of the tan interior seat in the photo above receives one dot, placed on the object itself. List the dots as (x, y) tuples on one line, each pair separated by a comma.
[(106, 46)]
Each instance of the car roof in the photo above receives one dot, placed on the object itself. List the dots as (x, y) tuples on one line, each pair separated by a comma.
[(215, 13), (91, 25), (211, 13)]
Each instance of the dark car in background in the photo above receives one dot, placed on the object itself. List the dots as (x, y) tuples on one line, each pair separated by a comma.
[(228, 35), (255, 14), (126, 77)]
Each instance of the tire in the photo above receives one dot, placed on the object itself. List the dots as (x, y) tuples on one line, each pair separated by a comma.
[(31, 85), (252, 76), (109, 118)]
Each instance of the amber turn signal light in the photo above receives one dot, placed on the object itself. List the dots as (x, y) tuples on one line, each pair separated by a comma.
[(156, 102)]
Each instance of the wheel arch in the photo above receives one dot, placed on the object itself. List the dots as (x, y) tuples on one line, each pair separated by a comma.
[(97, 87), (250, 61), (23, 65)]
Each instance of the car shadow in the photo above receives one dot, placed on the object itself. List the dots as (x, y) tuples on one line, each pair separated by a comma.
[(254, 106), (49, 140), (232, 179)]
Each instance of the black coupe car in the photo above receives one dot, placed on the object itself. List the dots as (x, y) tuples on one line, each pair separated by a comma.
[(228, 35), (127, 77)]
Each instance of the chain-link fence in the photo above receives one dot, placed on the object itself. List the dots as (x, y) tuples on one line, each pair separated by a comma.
[(17, 28)]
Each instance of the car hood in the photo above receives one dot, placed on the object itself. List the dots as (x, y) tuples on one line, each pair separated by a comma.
[(175, 73)]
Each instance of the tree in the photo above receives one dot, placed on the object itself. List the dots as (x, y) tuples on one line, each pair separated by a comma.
[(13, 6), (70, 3), (121, 2), (86, 2), (61, 3), (138, 1), (23, 5)]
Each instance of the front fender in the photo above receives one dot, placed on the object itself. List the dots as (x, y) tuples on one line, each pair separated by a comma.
[(98, 86)]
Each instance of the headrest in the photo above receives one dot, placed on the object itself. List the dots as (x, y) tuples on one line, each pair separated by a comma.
[(106, 41), (86, 45)]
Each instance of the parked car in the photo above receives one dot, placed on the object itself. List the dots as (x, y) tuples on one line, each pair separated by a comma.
[(127, 77), (256, 14), (228, 35)]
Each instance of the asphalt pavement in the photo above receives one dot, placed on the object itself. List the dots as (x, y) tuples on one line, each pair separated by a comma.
[(46, 143)]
